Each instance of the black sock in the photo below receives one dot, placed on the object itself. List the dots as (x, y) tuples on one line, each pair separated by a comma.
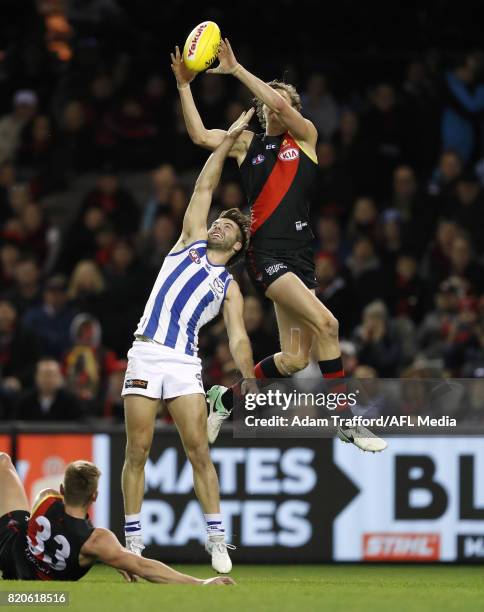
[(333, 374), (267, 369)]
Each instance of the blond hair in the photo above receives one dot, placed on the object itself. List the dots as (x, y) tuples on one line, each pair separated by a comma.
[(288, 88), (86, 265)]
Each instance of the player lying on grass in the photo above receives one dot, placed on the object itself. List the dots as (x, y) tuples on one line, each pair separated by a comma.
[(192, 287), (278, 170), (57, 541)]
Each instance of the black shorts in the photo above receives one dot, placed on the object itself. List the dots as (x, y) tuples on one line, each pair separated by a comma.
[(13, 526), (266, 266)]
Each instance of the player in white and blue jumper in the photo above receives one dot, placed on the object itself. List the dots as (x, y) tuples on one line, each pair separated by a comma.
[(192, 287)]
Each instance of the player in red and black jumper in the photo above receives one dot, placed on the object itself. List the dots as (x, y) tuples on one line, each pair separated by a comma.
[(278, 171), (57, 541)]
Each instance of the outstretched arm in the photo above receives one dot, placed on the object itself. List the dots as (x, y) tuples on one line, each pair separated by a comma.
[(103, 546), (301, 129), (195, 219), (199, 134), (239, 342)]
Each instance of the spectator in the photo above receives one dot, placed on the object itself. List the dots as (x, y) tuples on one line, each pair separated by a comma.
[(464, 266), (465, 99), (334, 292), (445, 176), (365, 272), (27, 290), (378, 344), (319, 105), (432, 331), (159, 242), (384, 126), (164, 182), (125, 287), (75, 139), (81, 242), (11, 125), (330, 240), (466, 207), (7, 181), (116, 202), (408, 299), (130, 135), (18, 349), (364, 220), (333, 190), (88, 364), (51, 321), (9, 257), (262, 342), (86, 287), (352, 153), (48, 401)]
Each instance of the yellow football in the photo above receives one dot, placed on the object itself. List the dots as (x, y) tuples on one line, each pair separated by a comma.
[(201, 47)]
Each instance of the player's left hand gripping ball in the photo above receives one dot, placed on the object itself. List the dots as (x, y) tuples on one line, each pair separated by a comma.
[(201, 47)]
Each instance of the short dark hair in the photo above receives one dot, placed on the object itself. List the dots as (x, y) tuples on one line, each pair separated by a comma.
[(243, 223), (80, 482), (288, 88)]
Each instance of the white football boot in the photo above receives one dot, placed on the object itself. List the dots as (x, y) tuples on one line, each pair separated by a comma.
[(363, 438), (218, 413), (217, 547), (134, 543)]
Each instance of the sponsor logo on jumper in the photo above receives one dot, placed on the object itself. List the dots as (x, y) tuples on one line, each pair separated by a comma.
[(217, 287), (301, 225), (275, 268), (136, 383), (194, 255), (401, 546), (258, 159), (270, 146), (288, 153), (195, 39)]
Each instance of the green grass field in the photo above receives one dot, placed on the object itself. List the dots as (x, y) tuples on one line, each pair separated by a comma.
[(301, 588)]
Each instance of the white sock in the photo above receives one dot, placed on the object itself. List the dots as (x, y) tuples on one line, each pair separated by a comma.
[(214, 525), (132, 524)]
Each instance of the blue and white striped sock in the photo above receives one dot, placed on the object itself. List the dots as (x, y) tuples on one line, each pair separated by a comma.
[(132, 524), (214, 524)]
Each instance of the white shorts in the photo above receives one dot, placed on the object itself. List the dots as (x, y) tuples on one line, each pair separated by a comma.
[(159, 372)]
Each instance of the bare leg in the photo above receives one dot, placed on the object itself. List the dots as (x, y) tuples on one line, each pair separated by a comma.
[(295, 338), (140, 414), (13, 496), (297, 300), (190, 415)]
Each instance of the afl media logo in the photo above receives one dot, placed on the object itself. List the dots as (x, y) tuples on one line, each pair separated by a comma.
[(194, 256)]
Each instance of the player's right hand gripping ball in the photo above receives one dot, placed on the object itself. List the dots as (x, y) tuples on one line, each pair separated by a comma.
[(201, 47)]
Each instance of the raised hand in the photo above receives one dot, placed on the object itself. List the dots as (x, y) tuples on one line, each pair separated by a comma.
[(184, 76), (223, 580), (227, 61), (241, 123)]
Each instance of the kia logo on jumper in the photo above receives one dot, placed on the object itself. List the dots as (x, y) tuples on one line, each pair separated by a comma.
[(288, 154)]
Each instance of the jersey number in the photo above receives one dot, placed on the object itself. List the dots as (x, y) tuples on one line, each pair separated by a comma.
[(43, 534)]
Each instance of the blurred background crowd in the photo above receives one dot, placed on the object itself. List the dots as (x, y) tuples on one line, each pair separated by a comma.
[(96, 170)]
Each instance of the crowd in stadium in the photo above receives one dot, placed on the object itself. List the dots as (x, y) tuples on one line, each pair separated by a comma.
[(96, 169)]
